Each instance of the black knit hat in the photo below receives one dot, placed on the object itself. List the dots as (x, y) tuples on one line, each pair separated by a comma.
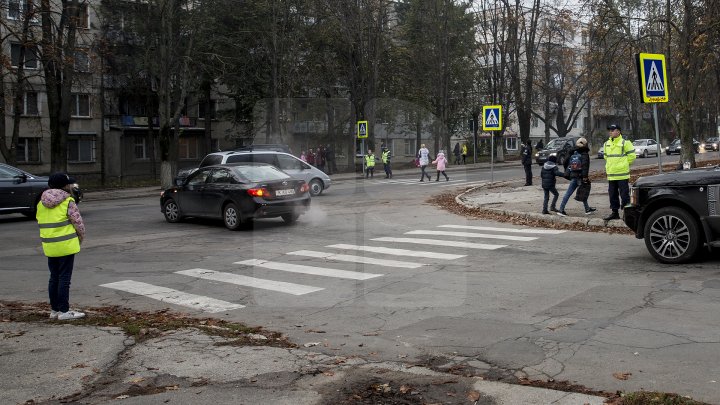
[(60, 180)]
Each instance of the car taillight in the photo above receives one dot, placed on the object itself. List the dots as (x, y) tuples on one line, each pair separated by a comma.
[(304, 188), (259, 192)]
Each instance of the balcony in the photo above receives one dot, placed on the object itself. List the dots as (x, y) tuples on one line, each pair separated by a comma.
[(127, 121)]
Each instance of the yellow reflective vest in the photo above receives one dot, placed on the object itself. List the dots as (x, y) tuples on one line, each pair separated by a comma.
[(370, 160), (464, 149), (57, 233), (385, 156), (619, 155)]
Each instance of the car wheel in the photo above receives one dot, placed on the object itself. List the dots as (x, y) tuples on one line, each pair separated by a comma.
[(290, 218), (316, 187), (231, 217), (645, 154), (672, 235), (171, 211)]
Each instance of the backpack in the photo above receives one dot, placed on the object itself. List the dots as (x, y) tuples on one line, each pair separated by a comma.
[(575, 163)]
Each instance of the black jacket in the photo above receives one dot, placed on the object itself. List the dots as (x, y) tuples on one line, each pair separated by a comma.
[(584, 159), (526, 155), (548, 173)]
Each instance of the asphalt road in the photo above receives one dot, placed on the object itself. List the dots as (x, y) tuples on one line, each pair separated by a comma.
[(498, 299)]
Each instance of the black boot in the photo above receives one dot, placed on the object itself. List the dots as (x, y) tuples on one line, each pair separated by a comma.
[(612, 216)]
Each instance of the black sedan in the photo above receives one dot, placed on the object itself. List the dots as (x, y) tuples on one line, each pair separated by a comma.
[(558, 147), (237, 193), (20, 191)]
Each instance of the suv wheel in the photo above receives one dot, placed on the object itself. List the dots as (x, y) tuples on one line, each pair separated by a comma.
[(672, 235)]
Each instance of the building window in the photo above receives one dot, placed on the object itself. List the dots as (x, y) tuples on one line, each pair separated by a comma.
[(28, 150), (213, 109), (511, 143), (81, 148), (188, 148), (82, 60), (140, 148), (409, 147), (81, 105), (30, 104), (535, 122), (31, 60), (84, 17)]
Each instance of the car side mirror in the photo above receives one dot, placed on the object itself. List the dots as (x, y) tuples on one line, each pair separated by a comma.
[(20, 178), (179, 181)]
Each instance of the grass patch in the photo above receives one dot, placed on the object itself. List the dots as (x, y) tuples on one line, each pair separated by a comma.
[(654, 398)]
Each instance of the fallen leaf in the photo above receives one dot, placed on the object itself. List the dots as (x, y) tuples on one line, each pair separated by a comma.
[(473, 396), (172, 388), (404, 389), (137, 380), (328, 373), (622, 376)]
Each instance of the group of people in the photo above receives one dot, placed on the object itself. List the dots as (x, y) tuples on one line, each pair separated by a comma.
[(423, 159), (619, 155), (460, 151), (323, 158), (385, 157)]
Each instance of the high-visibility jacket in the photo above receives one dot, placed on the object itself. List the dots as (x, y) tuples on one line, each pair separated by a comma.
[(618, 155), (385, 157), (57, 233), (464, 149), (370, 160)]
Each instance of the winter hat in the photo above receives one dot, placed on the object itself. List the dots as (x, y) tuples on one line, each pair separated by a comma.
[(613, 127), (552, 158), (60, 180), (581, 142)]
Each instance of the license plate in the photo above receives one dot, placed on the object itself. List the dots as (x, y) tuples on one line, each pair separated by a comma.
[(288, 191)]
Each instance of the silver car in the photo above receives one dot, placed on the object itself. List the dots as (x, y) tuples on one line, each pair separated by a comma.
[(296, 168)]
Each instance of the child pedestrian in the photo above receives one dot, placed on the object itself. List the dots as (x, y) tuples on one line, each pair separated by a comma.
[(441, 162), (548, 174)]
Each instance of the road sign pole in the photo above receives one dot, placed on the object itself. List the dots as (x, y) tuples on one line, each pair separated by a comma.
[(362, 152), (475, 140), (492, 156), (657, 137)]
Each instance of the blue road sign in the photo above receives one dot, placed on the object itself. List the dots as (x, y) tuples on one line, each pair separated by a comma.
[(492, 118), (653, 78)]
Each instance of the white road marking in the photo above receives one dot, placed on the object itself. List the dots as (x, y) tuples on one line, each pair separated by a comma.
[(398, 252), (171, 296), (237, 279), (440, 242), (318, 271), (357, 259), (509, 230), (472, 235)]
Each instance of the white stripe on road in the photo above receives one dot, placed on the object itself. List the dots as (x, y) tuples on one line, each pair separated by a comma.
[(237, 279), (510, 230), (357, 259), (472, 235), (299, 268), (464, 184), (440, 242), (398, 252), (171, 296)]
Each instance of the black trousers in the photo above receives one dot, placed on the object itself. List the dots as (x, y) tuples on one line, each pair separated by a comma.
[(61, 269), (528, 174), (619, 191)]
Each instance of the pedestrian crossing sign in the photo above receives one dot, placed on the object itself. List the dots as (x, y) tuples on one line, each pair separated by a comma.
[(653, 77), (362, 129), (492, 118)]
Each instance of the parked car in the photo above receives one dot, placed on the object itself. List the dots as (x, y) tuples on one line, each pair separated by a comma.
[(711, 144), (601, 152), (676, 147), (645, 147), (677, 213), (316, 179), (20, 191), (559, 147), (237, 193)]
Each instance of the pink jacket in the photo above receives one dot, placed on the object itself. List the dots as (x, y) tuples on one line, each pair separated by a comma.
[(441, 161)]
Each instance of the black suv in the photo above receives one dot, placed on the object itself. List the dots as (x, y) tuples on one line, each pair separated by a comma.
[(676, 213), (559, 147), (20, 191)]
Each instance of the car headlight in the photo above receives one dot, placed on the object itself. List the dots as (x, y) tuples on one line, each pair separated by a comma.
[(537, 154), (634, 195), (702, 145), (553, 154), (637, 150)]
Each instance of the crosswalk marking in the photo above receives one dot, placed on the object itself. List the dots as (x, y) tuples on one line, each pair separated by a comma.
[(171, 296), (357, 259), (440, 242), (299, 268), (237, 279), (398, 252), (509, 230), (472, 235)]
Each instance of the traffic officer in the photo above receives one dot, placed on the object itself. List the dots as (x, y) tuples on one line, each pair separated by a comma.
[(369, 164), (619, 155), (386, 163), (61, 233)]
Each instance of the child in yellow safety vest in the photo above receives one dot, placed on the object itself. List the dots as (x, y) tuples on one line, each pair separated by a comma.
[(369, 164)]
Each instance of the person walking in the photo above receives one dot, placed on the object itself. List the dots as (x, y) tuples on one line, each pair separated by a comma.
[(526, 159), (385, 156), (548, 175), (456, 153), (539, 146), (61, 232), (619, 155), (464, 152), (577, 170), (441, 161), (330, 157), (423, 159), (369, 164), (320, 158)]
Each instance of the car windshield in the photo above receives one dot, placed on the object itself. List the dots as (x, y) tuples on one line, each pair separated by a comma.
[(555, 143), (639, 142), (256, 174)]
